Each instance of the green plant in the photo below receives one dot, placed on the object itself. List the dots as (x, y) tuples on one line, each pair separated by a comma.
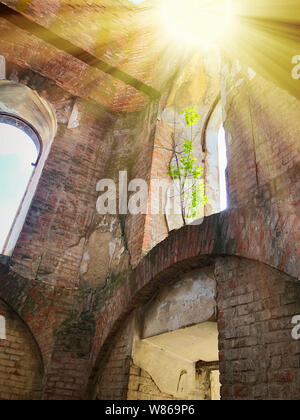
[(191, 116), (188, 174)]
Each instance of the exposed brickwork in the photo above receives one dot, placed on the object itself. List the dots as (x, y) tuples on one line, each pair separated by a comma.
[(76, 317), (48, 312), (171, 131), (259, 359), (73, 75), (114, 375), (64, 204), (138, 160), (263, 143), (142, 387), (247, 233), (21, 369), (50, 248), (156, 229), (59, 224), (107, 30)]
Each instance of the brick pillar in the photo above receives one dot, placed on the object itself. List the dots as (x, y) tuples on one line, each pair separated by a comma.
[(259, 359)]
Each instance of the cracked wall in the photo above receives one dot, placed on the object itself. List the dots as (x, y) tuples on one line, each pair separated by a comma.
[(71, 273), (65, 246)]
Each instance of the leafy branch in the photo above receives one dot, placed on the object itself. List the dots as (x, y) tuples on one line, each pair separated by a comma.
[(188, 174)]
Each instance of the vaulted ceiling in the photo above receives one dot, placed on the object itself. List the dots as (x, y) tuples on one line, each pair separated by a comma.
[(111, 51), (104, 50)]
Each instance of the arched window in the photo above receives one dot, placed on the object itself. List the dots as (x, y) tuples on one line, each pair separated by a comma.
[(222, 168), (19, 153), (27, 128), (215, 162)]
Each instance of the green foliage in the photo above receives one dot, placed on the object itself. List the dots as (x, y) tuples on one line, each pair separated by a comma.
[(197, 199), (187, 168), (191, 116), (189, 174)]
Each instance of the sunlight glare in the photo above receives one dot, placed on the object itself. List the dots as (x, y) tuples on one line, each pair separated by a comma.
[(196, 23)]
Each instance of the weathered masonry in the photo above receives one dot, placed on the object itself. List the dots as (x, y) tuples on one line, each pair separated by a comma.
[(123, 306)]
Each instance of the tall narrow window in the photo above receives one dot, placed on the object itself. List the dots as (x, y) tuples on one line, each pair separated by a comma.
[(19, 152), (222, 168)]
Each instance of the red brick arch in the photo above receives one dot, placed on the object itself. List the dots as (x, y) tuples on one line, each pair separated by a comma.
[(34, 304), (256, 234)]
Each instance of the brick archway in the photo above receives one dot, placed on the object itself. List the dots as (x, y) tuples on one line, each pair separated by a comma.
[(268, 237), (34, 303), (255, 234), (22, 364)]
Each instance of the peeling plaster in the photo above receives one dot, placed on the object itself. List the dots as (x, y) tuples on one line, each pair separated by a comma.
[(85, 263), (191, 300), (74, 118)]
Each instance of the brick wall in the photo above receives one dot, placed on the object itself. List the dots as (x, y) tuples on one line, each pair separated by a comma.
[(259, 359), (50, 246), (263, 169), (199, 88), (142, 387), (156, 229), (62, 219), (63, 215), (138, 161), (21, 367), (114, 370), (263, 141)]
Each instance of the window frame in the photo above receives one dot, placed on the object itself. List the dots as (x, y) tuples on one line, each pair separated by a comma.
[(31, 132), (27, 128)]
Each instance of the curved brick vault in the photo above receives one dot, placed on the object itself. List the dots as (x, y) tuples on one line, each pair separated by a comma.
[(254, 234), (267, 237), (74, 320)]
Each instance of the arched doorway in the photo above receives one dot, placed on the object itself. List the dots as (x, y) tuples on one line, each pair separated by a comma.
[(175, 351)]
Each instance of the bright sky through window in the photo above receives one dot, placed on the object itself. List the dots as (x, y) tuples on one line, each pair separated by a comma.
[(17, 152), (222, 168)]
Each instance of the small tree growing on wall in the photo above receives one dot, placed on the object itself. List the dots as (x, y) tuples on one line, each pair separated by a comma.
[(187, 174)]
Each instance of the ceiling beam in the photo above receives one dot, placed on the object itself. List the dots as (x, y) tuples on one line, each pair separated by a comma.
[(62, 44)]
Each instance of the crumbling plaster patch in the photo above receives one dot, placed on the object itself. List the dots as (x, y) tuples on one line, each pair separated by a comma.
[(189, 301), (104, 252)]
